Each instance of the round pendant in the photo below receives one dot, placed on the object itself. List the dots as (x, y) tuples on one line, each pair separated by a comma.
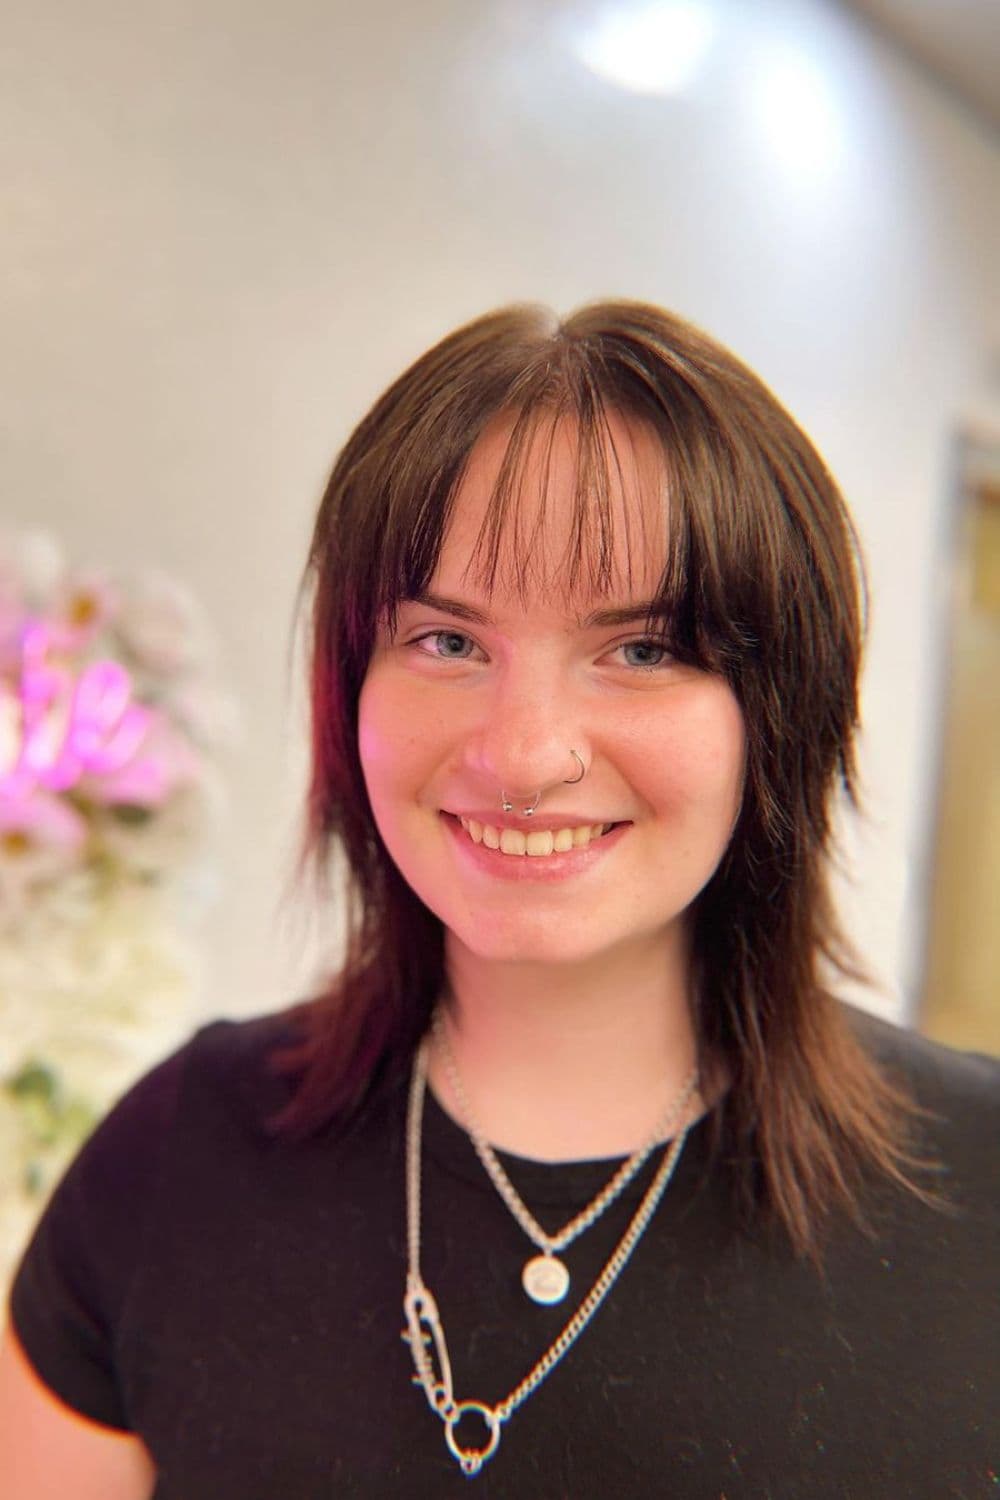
[(545, 1279)]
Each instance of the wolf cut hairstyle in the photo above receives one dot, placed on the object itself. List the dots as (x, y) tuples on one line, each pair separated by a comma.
[(762, 584)]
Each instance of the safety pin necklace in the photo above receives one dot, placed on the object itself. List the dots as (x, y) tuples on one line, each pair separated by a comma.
[(424, 1331)]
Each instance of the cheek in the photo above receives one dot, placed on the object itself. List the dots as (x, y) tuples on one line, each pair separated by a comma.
[(725, 754), (698, 759), (707, 793), (394, 746), (385, 714), (720, 769), (382, 737)]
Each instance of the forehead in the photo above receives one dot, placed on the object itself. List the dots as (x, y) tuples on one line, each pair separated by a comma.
[(547, 511)]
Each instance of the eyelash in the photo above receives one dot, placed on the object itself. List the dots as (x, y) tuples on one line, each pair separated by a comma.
[(644, 640)]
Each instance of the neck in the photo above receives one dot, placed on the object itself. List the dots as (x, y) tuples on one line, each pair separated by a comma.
[(568, 1062)]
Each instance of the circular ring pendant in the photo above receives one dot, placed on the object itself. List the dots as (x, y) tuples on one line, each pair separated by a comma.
[(545, 1279), (472, 1459)]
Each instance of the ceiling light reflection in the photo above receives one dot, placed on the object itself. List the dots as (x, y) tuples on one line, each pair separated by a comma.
[(799, 114), (654, 48)]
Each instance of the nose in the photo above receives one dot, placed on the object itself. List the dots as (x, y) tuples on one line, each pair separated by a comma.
[(525, 738)]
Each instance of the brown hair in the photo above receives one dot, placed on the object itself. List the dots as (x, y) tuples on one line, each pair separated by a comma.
[(762, 583)]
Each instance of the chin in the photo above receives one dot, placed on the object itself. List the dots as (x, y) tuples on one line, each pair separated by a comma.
[(524, 942)]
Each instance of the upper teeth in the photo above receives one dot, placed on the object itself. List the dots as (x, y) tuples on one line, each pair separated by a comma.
[(542, 841)]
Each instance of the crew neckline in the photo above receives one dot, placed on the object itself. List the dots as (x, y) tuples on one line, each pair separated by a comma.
[(567, 1183)]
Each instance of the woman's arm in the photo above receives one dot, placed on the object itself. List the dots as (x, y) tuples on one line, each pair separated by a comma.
[(49, 1452)]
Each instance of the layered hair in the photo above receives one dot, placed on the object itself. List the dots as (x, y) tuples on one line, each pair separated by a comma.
[(762, 583)]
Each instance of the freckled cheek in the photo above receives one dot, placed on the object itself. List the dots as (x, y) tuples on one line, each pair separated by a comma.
[(701, 760), (396, 747), (383, 735)]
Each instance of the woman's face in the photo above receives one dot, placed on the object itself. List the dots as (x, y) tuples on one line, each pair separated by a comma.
[(476, 695)]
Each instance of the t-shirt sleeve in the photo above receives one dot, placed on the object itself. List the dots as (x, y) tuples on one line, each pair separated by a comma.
[(74, 1278)]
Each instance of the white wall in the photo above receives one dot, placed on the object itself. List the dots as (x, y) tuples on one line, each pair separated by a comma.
[(227, 225)]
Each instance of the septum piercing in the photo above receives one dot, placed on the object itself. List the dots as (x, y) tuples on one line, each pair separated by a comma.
[(507, 806)]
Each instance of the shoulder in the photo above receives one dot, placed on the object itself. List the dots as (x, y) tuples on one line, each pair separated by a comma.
[(957, 1095), (968, 1082), (236, 1063), (198, 1118), (219, 1083), (226, 1065)]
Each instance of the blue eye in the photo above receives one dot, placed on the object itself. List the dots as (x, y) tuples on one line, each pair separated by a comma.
[(452, 644), (648, 654), (655, 652)]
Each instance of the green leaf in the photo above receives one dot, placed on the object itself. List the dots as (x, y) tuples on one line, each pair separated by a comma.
[(131, 814), (35, 1080)]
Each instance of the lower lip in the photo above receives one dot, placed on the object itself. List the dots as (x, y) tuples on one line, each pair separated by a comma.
[(536, 868)]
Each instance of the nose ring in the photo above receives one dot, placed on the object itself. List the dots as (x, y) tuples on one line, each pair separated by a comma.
[(583, 770), (508, 806)]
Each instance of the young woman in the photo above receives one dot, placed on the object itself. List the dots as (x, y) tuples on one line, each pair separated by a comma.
[(579, 1113)]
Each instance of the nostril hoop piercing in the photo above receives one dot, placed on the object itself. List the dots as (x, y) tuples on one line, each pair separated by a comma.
[(583, 770)]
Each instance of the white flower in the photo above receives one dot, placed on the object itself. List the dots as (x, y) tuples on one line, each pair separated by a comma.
[(163, 627), (41, 838), (93, 992), (36, 561), (209, 715), (80, 607)]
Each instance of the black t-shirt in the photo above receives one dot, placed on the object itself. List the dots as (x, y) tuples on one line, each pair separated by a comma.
[(237, 1302)]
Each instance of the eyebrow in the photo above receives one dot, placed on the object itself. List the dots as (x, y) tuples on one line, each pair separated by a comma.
[(627, 614)]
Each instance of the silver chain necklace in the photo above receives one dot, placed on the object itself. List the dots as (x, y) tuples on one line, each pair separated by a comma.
[(545, 1277), (424, 1332)]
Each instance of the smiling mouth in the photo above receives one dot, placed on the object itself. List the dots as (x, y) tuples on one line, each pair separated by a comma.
[(538, 843)]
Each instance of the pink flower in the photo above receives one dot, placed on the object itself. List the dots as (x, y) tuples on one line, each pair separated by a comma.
[(11, 617), (10, 730), (162, 762), (71, 723), (40, 837)]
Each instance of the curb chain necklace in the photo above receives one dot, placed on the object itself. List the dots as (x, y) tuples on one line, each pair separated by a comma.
[(545, 1277), (424, 1332)]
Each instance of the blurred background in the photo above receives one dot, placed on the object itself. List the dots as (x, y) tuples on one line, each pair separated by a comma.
[(227, 225)]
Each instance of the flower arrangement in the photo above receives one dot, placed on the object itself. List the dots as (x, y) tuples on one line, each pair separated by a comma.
[(111, 730)]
